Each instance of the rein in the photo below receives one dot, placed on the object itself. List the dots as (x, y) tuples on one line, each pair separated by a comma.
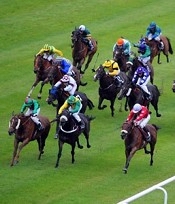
[(69, 131)]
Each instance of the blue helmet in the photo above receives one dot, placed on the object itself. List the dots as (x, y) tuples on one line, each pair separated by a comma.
[(140, 70), (142, 47), (152, 25)]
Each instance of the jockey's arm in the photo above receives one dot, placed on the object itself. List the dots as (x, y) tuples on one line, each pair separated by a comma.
[(41, 51), (58, 52), (64, 106), (23, 108), (114, 72)]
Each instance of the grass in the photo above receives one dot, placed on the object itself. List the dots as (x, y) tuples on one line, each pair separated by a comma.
[(96, 177)]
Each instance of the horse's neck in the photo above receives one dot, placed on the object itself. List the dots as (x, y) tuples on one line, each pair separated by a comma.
[(80, 47), (106, 81)]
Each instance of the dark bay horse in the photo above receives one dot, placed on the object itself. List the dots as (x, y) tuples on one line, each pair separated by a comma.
[(60, 96), (41, 69), (80, 51), (108, 88), (121, 58), (137, 96), (155, 50), (69, 133), (134, 141), (135, 64), (25, 131)]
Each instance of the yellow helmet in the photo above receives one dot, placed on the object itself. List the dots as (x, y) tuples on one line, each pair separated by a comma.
[(46, 47), (108, 63), (120, 41)]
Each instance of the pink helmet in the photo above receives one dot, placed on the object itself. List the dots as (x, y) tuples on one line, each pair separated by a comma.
[(65, 78)]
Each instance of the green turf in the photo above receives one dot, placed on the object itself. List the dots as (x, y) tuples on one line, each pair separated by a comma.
[(96, 177)]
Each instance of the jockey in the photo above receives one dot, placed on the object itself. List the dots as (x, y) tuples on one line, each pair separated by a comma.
[(74, 105), (123, 44), (65, 65), (145, 55), (153, 33), (113, 70), (48, 52), (86, 36), (141, 78), (69, 82), (140, 116), (33, 111)]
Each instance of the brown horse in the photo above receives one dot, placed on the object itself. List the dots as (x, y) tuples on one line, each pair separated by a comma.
[(134, 141), (80, 51), (25, 131), (173, 86), (155, 50), (41, 69)]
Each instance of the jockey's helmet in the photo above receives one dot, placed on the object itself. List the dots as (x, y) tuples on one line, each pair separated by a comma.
[(137, 107), (140, 70), (108, 63), (120, 42), (65, 78), (82, 27), (46, 47), (152, 25), (71, 99), (142, 47), (28, 101)]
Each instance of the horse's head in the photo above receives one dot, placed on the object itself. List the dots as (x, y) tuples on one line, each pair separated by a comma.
[(76, 35), (14, 123), (173, 86), (126, 129), (40, 63), (99, 73), (117, 53)]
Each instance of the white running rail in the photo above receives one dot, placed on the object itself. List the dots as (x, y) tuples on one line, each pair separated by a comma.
[(155, 187)]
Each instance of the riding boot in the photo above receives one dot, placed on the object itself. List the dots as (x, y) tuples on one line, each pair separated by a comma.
[(91, 45), (40, 127), (147, 134), (161, 45), (81, 124), (147, 96)]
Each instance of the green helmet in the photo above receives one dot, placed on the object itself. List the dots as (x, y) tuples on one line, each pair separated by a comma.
[(28, 101), (46, 47), (71, 100)]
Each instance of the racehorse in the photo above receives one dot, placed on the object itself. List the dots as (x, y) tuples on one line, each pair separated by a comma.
[(80, 51), (155, 50), (25, 131), (173, 86), (41, 69), (69, 133), (121, 58), (108, 88), (137, 96), (134, 141), (131, 67), (60, 95)]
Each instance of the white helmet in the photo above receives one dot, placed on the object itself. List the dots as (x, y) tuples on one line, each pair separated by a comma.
[(82, 27), (65, 78), (137, 107)]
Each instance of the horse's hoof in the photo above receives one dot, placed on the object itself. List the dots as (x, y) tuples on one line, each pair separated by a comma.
[(125, 170), (159, 115)]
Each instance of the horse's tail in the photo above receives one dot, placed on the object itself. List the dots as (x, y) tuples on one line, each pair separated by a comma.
[(90, 104), (156, 127), (170, 47)]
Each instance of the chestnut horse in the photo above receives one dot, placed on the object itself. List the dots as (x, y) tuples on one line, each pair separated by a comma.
[(69, 133), (155, 50), (80, 51), (25, 131), (134, 141)]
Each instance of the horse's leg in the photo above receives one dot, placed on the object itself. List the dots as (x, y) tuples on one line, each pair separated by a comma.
[(86, 134), (41, 88), (73, 152), (14, 151), (88, 62), (155, 105), (126, 104), (112, 107), (152, 145), (41, 144), (90, 104), (128, 159), (100, 101), (60, 148), (79, 145), (33, 86), (24, 143), (158, 59)]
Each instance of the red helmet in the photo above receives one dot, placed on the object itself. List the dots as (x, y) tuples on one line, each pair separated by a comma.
[(120, 41)]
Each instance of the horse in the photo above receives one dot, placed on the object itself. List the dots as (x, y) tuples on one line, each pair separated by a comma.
[(132, 67), (80, 51), (60, 95), (173, 86), (41, 69), (155, 50), (108, 88), (134, 141), (69, 133), (25, 131), (137, 96), (121, 58)]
